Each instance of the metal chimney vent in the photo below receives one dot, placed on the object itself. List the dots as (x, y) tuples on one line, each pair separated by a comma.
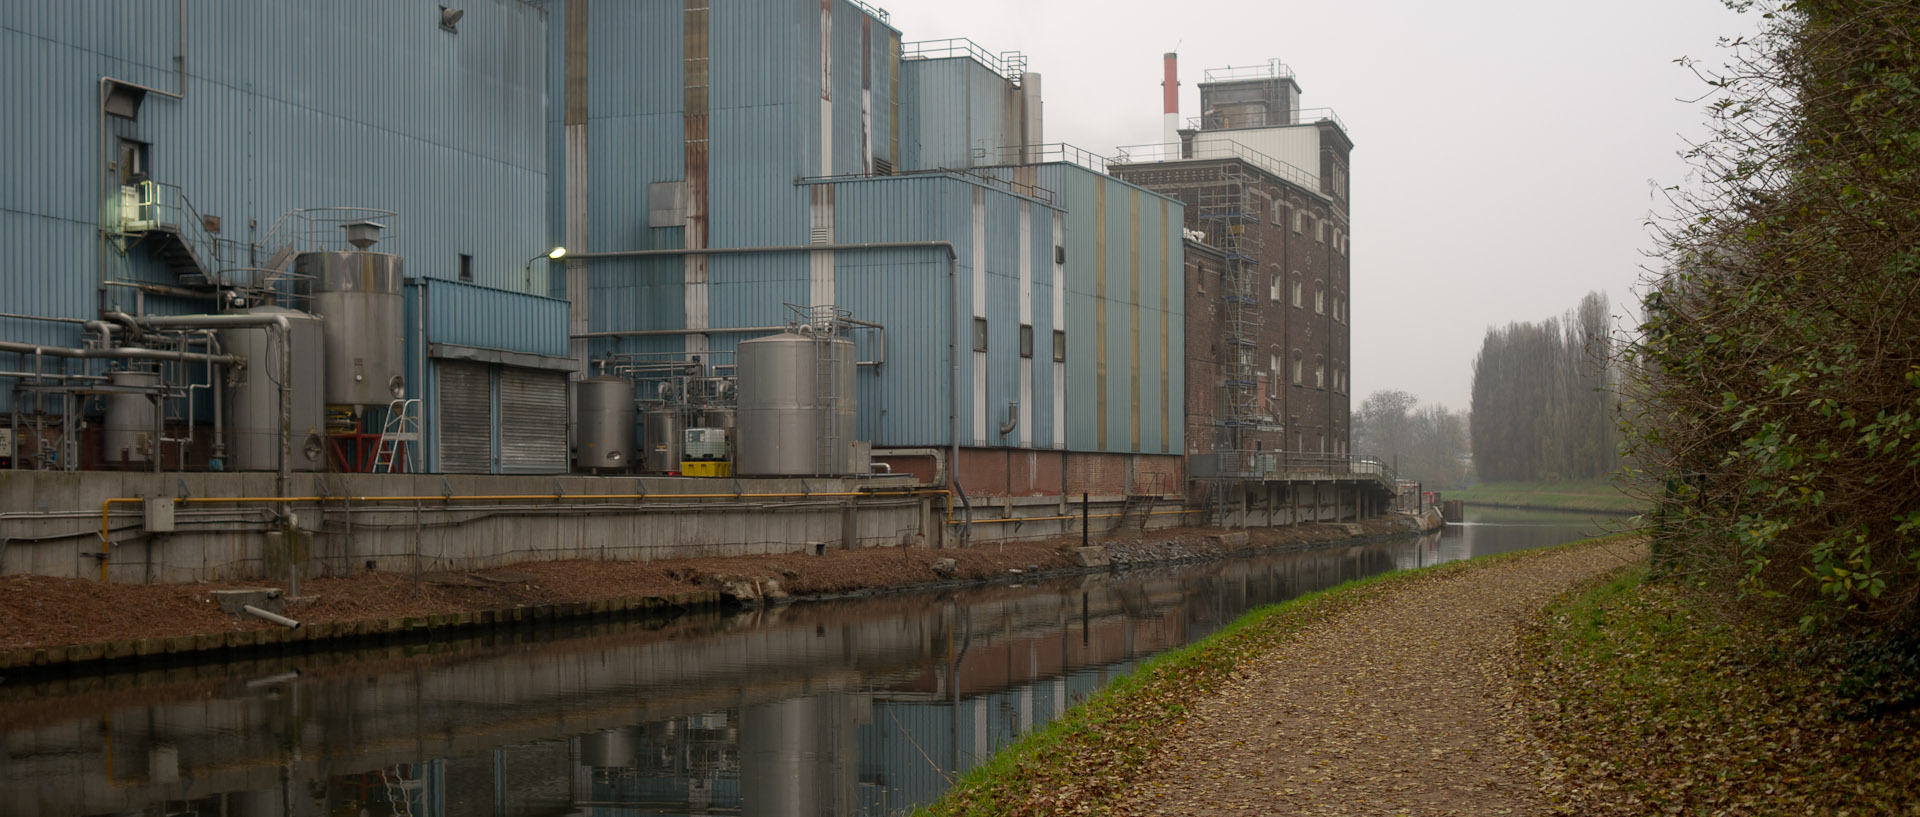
[(363, 234)]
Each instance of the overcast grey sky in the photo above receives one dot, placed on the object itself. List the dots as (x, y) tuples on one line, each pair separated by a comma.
[(1507, 152)]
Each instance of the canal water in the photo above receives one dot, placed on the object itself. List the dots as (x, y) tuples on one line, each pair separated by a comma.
[(861, 707)]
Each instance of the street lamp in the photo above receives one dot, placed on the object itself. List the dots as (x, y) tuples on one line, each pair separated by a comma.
[(554, 254)]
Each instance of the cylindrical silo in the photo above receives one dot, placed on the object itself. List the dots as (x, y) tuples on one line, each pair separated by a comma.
[(795, 406), (661, 432), (254, 427), (605, 436), (357, 296), (131, 416)]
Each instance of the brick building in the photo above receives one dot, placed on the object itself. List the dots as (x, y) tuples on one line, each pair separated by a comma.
[(1265, 186)]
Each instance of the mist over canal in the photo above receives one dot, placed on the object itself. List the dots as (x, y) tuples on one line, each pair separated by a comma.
[(860, 707)]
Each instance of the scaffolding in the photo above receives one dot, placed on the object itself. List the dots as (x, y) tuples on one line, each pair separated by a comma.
[(1228, 213)]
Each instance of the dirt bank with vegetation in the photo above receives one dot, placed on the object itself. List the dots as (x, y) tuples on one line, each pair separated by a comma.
[(49, 621), (1659, 697)]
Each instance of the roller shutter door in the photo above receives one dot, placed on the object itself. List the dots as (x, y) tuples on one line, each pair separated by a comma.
[(533, 421), (466, 417)]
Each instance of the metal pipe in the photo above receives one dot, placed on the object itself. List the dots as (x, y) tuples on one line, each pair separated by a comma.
[(48, 319), (643, 333), (163, 289), (89, 378), (273, 322), (119, 352), (269, 615)]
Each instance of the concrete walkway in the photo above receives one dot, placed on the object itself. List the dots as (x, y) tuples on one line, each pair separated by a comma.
[(1400, 706)]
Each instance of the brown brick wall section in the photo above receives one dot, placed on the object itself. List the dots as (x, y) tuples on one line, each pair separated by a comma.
[(1314, 414)]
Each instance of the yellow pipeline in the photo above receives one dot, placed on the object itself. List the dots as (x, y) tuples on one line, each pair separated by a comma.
[(106, 505)]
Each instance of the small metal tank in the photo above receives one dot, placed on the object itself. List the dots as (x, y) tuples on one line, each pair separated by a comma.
[(357, 295), (719, 417), (661, 431), (607, 416), (131, 417), (254, 427), (793, 421)]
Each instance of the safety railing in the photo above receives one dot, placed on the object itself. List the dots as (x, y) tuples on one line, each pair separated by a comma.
[(1008, 64), (1047, 153), (1271, 69), (1265, 119), (323, 229), (1210, 150), (1288, 465)]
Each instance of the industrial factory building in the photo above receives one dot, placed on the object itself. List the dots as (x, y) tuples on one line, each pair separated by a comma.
[(1265, 189), (642, 267)]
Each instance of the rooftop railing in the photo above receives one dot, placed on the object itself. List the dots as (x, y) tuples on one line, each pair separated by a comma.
[(1008, 64), (1256, 119), (1217, 149), (1047, 153), (1271, 69)]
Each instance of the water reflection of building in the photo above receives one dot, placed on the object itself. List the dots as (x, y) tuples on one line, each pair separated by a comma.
[(844, 709)]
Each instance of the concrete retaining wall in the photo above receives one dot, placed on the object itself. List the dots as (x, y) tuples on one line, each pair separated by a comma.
[(51, 525)]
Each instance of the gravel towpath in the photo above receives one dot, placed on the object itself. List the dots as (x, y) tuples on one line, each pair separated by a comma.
[(1399, 706)]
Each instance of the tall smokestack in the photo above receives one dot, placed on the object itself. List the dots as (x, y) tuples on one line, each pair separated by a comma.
[(1170, 96)]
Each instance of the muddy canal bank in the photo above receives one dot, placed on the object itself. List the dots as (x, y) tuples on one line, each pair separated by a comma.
[(50, 624)]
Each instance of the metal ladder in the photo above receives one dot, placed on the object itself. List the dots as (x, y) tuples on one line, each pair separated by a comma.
[(401, 432)]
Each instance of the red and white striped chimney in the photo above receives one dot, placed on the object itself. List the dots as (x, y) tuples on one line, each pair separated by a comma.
[(1170, 96)]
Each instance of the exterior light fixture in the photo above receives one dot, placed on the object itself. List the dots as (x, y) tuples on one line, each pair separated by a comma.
[(554, 254), (448, 17)]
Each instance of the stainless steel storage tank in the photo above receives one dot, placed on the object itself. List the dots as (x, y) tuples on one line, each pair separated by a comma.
[(718, 417), (357, 295), (796, 406), (131, 417), (661, 431), (254, 427), (607, 414)]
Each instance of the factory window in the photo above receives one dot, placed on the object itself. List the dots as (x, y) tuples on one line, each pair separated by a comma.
[(1298, 290), (1059, 346), (1319, 375), (1026, 340), (466, 267), (1319, 299), (1273, 288), (1297, 367), (1320, 230), (1299, 221), (979, 334)]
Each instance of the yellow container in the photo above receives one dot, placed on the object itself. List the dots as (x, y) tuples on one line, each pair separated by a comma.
[(706, 468)]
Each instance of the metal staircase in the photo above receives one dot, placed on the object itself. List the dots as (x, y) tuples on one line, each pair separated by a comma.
[(398, 437), (161, 216), (1147, 492)]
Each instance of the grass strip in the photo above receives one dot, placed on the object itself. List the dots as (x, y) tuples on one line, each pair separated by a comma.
[(1586, 495), (1082, 761), (1656, 697)]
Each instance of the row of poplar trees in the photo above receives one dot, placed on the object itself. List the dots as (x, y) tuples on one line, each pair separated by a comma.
[(1543, 399)]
